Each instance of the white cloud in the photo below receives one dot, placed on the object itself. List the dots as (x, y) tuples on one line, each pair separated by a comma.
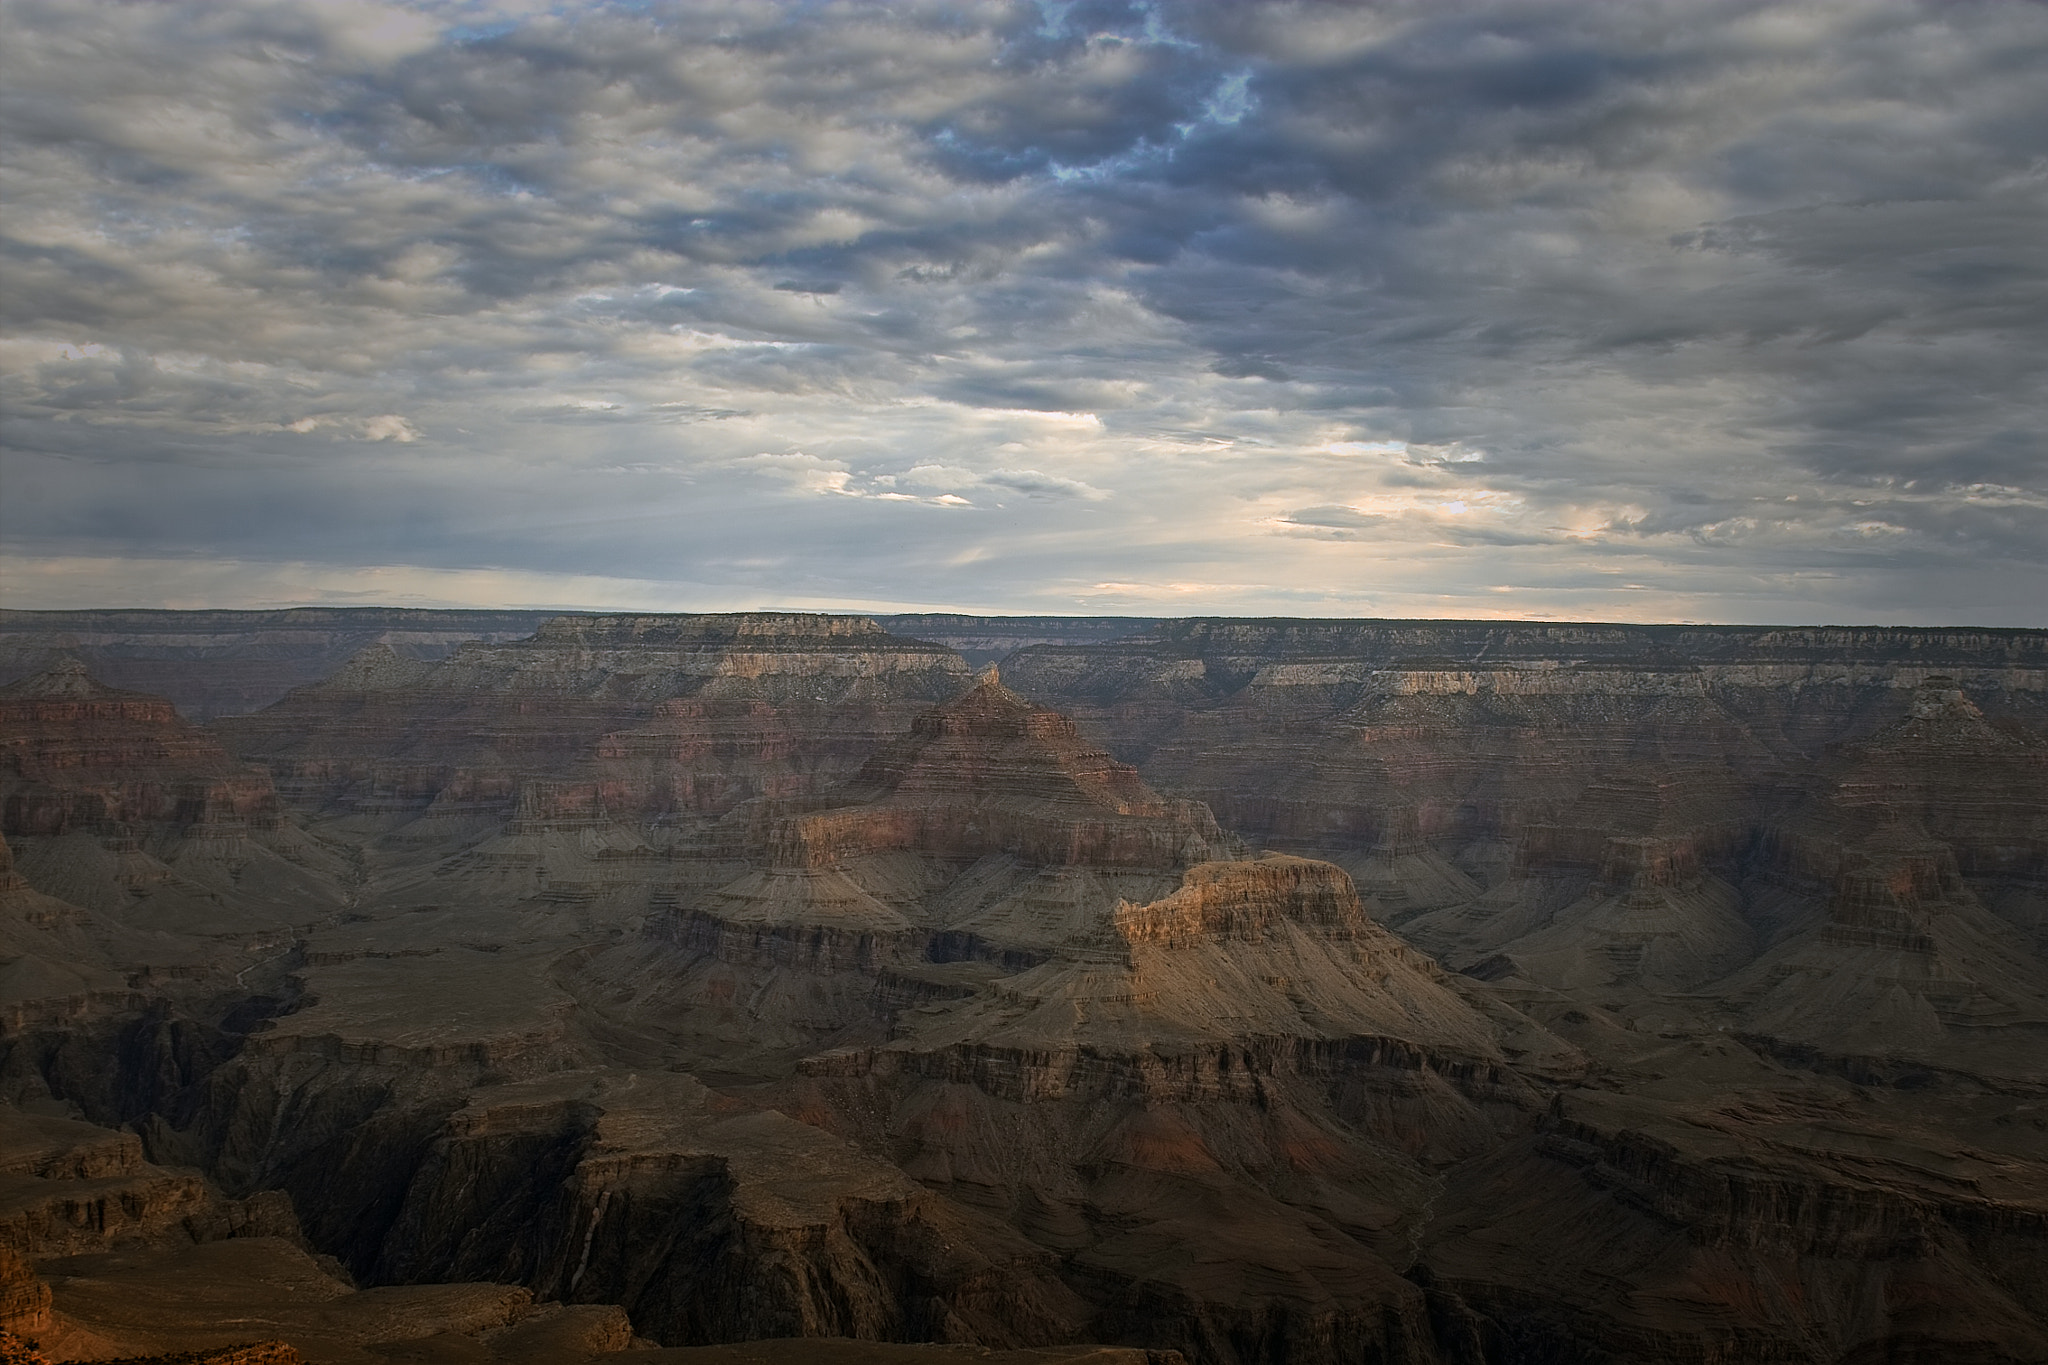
[(1748, 299)]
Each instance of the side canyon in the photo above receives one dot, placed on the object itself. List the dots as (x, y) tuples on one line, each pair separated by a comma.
[(478, 987)]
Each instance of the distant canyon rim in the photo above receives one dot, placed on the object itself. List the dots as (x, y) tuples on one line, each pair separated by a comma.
[(461, 988)]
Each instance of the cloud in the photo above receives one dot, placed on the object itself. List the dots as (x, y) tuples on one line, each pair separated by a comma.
[(1336, 517), (1031, 483), (1744, 301)]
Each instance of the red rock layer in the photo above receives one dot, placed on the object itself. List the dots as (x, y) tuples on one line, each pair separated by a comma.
[(603, 717), (991, 773), (75, 753), (24, 1299), (1243, 902)]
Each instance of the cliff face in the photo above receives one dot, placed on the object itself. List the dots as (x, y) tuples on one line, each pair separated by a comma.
[(984, 640), (987, 835), (79, 754), (114, 802), (1004, 960), (633, 716), (211, 664), (1823, 843), (1657, 797), (1220, 1105), (1623, 993), (226, 663)]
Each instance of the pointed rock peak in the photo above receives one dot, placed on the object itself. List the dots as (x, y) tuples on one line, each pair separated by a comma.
[(989, 744), (374, 668), (992, 710), (65, 677)]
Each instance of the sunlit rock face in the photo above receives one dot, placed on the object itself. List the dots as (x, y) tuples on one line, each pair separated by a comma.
[(1307, 991)]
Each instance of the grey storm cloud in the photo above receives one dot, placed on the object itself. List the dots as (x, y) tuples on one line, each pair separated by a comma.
[(1699, 308)]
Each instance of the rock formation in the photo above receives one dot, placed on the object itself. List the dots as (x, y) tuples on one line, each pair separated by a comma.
[(639, 717), (114, 802), (1542, 993), (228, 663)]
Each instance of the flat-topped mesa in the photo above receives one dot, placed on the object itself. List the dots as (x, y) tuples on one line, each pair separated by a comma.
[(1245, 902), (75, 753), (1249, 965), (1938, 698), (797, 628), (631, 661), (989, 773), (1390, 641)]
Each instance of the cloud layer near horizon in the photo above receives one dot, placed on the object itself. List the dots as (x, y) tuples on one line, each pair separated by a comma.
[(1731, 311)]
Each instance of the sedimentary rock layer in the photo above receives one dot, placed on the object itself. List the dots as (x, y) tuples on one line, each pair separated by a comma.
[(226, 663), (637, 716), (230, 663), (1619, 993)]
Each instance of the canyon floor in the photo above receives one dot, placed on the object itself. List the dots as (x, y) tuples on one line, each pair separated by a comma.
[(452, 987)]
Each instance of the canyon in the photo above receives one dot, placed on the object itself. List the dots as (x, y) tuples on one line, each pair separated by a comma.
[(473, 987)]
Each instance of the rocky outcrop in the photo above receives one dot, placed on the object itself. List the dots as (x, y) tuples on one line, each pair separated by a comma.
[(24, 1298), (229, 663), (69, 1187), (712, 1222)]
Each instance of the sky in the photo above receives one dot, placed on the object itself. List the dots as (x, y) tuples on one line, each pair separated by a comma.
[(1668, 310)]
